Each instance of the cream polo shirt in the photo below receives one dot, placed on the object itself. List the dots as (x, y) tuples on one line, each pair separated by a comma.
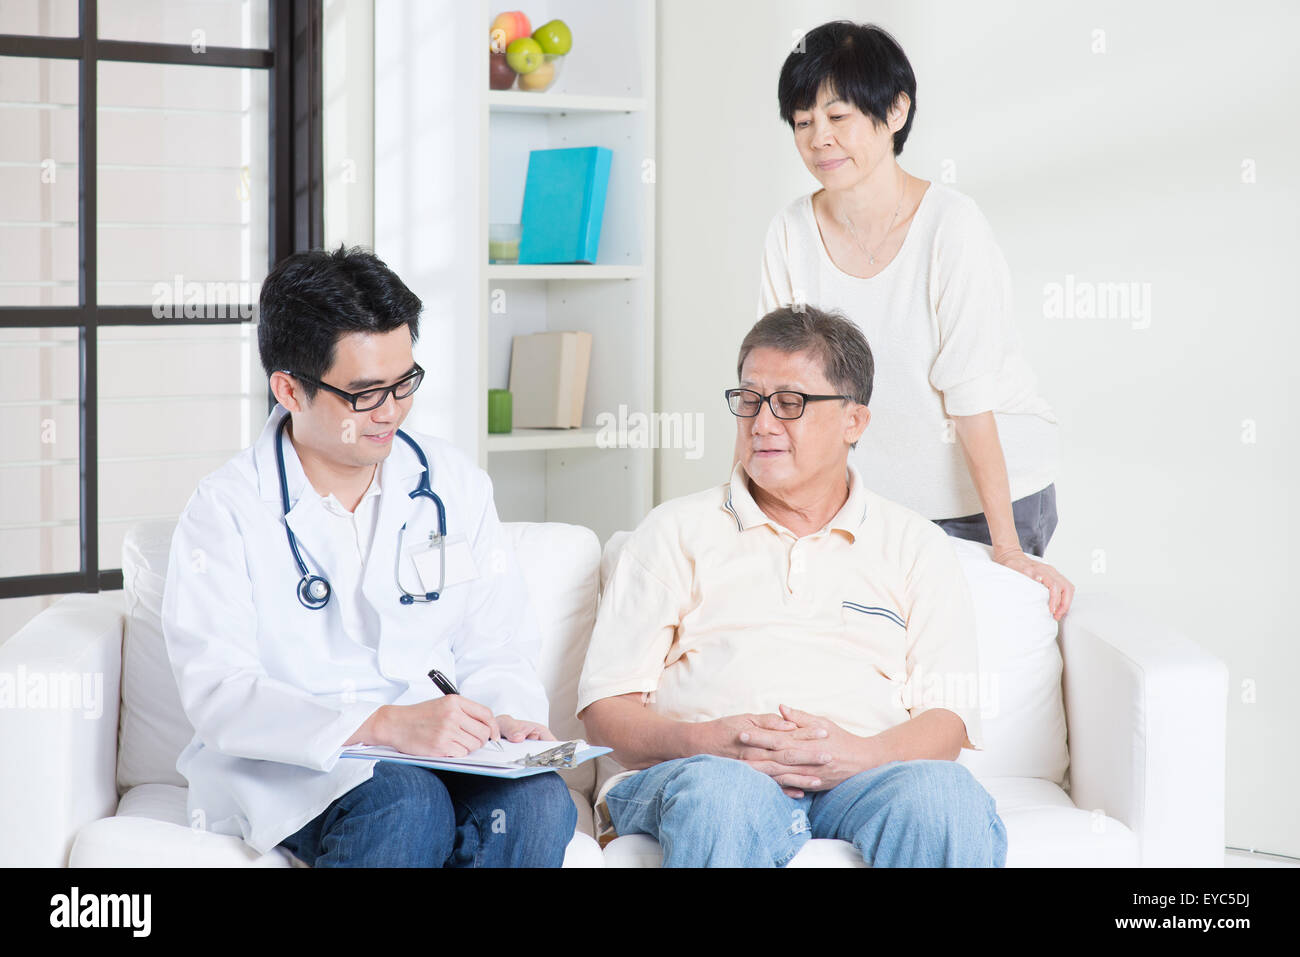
[(713, 609)]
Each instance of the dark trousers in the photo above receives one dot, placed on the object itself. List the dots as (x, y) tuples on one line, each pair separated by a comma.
[(1035, 517)]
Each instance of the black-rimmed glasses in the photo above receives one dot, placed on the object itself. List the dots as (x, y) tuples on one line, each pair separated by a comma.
[(746, 403), (370, 398)]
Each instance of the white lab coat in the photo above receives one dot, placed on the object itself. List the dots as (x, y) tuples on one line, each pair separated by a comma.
[(274, 689)]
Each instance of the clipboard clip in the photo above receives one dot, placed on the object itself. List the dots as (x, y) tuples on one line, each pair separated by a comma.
[(560, 756)]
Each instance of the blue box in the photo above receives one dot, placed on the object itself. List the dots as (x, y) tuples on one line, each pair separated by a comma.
[(564, 202)]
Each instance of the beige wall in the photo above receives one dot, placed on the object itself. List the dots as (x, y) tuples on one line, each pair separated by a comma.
[(1122, 166)]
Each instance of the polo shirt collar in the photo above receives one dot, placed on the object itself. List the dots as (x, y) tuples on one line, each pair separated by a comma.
[(740, 503)]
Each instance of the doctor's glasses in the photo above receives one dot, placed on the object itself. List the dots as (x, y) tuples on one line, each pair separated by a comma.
[(370, 398)]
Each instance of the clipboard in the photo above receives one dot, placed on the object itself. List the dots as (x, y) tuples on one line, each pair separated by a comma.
[(510, 761)]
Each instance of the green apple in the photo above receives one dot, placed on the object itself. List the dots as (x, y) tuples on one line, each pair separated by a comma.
[(554, 37), (524, 55)]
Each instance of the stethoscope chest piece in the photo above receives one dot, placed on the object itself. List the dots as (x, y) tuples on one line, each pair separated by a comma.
[(314, 592)]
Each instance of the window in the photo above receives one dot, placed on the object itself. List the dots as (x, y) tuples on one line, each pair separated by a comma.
[(158, 157)]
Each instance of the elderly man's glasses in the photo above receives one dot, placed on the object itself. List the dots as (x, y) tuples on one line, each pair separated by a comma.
[(370, 398), (746, 403)]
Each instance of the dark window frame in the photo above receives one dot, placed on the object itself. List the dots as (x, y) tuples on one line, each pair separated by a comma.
[(296, 198)]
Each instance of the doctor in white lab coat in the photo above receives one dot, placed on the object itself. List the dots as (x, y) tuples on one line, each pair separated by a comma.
[(276, 689)]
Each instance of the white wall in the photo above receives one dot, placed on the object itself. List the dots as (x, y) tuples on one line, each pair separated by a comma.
[(426, 177), (348, 121), (1122, 166)]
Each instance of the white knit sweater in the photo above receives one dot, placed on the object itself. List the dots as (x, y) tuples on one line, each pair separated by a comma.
[(940, 324)]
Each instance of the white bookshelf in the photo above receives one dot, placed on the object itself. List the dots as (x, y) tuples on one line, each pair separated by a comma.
[(542, 440), (517, 101), (452, 158)]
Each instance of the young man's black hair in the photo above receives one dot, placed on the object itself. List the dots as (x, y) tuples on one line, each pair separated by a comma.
[(312, 298)]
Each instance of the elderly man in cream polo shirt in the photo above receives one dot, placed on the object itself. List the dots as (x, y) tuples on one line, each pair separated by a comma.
[(789, 655)]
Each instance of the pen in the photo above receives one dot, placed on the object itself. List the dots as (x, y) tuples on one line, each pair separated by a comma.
[(446, 687)]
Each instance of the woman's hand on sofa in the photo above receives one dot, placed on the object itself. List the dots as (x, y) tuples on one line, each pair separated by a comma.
[(1060, 590)]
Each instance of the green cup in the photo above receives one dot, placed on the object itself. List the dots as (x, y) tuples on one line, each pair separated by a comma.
[(500, 411)]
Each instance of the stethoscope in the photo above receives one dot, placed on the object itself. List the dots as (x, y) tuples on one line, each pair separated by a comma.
[(314, 590)]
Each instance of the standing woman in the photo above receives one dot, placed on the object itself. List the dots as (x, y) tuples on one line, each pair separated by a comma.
[(958, 431)]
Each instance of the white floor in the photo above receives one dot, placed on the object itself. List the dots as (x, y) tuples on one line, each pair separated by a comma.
[(1256, 859)]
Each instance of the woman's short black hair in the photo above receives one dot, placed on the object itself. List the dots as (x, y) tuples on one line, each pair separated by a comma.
[(312, 298), (863, 64)]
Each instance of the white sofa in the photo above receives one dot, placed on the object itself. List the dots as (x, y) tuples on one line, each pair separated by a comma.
[(1142, 781)]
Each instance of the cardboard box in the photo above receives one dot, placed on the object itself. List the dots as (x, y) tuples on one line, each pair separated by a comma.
[(548, 379)]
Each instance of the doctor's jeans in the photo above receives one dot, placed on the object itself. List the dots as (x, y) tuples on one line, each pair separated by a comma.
[(408, 816), (709, 811)]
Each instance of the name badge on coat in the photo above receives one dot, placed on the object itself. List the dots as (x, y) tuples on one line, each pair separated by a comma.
[(459, 557)]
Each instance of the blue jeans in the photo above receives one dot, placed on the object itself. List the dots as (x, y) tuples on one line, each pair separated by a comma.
[(708, 811), (1034, 515), (408, 816)]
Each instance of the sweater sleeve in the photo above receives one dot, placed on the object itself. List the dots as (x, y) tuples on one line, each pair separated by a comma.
[(971, 291)]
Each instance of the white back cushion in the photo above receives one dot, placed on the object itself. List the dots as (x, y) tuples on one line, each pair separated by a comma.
[(561, 568), (1021, 708), (154, 729)]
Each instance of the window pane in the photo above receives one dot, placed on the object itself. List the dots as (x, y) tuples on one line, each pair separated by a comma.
[(38, 182), (217, 23), (183, 187), (39, 458), (42, 18), (175, 403)]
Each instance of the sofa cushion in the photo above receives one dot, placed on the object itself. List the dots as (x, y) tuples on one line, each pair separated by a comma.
[(560, 565), (561, 569), (154, 729), (1043, 830), (150, 830), (1021, 708)]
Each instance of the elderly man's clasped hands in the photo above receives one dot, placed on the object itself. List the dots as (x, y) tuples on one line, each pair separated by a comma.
[(801, 751)]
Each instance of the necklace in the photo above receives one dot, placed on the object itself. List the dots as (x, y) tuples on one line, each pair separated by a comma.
[(871, 256)]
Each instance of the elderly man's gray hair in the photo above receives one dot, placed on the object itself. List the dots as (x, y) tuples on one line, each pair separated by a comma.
[(834, 340)]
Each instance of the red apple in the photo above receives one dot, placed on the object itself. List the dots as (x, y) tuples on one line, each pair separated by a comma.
[(507, 28), (500, 76)]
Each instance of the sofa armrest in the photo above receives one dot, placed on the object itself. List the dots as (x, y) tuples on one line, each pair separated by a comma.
[(1146, 711), (60, 690)]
